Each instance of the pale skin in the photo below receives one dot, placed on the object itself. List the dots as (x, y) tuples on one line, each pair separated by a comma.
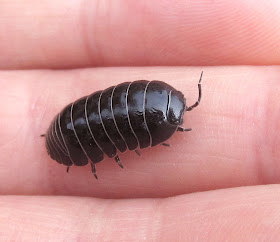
[(208, 186)]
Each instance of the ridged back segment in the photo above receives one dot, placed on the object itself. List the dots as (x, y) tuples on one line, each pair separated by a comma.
[(82, 131), (107, 119), (73, 145), (120, 113), (55, 145), (96, 126), (136, 111)]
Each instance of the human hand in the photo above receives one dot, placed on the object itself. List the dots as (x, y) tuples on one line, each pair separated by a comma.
[(167, 194)]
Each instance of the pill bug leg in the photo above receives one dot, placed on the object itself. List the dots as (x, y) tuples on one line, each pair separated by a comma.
[(181, 129), (93, 170), (67, 170), (138, 152), (199, 95), (165, 144), (117, 158), (42, 135)]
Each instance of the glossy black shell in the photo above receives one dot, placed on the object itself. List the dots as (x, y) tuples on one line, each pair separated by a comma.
[(131, 115)]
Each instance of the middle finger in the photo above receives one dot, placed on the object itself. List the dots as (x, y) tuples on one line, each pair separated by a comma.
[(233, 142)]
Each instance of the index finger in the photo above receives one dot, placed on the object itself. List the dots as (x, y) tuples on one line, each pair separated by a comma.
[(69, 34), (233, 143)]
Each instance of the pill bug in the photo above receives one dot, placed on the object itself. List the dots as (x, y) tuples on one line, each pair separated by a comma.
[(132, 115)]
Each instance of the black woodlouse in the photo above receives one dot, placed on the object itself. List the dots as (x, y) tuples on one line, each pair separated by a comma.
[(131, 115)]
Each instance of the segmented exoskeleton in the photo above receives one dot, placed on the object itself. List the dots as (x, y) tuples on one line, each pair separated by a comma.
[(131, 115)]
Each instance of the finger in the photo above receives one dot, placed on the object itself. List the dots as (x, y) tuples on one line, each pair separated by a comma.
[(241, 214), (48, 34), (233, 142)]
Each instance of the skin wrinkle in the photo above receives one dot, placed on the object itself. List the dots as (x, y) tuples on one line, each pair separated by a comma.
[(258, 143), (37, 112), (106, 219), (156, 220), (89, 28), (266, 143), (15, 99)]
